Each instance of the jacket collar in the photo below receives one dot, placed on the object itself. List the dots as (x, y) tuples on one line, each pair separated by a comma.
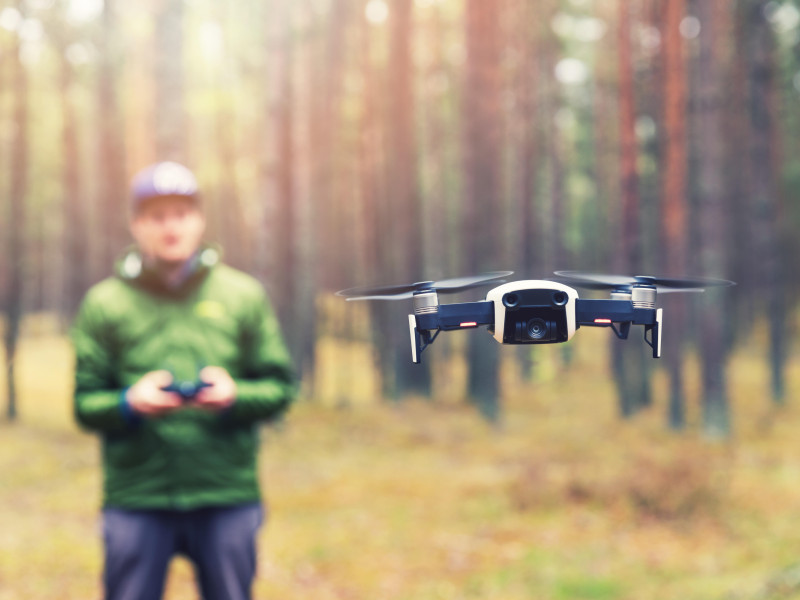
[(132, 267)]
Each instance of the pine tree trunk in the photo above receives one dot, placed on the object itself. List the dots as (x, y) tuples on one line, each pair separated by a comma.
[(17, 217), (277, 235), (74, 242), (482, 178), (769, 278), (113, 184), (673, 191), (403, 188), (712, 217), (629, 366), (170, 113)]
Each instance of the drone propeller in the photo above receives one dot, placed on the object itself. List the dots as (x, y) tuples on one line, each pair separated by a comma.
[(663, 285), (400, 292)]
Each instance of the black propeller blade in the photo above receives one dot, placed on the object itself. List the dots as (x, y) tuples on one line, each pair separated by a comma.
[(444, 286), (663, 285)]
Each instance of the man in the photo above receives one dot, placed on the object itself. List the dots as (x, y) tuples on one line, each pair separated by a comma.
[(178, 358)]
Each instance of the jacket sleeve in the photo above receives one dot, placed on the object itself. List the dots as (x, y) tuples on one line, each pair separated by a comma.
[(266, 388), (97, 401)]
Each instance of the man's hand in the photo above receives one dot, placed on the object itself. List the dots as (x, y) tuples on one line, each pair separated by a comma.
[(221, 392), (146, 397)]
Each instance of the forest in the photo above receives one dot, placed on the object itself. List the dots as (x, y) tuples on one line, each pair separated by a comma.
[(344, 143), (353, 142)]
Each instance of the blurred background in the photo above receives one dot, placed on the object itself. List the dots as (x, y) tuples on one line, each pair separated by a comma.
[(354, 142)]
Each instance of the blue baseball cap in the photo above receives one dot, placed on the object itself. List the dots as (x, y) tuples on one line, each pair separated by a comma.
[(162, 179)]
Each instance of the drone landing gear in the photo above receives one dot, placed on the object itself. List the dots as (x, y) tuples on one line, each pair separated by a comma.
[(619, 316), (425, 327), (655, 334), (653, 339), (623, 331), (419, 339)]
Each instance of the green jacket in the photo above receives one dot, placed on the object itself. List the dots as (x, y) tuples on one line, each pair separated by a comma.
[(131, 324)]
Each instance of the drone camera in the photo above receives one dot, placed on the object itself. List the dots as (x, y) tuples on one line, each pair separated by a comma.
[(533, 312), (536, 330)]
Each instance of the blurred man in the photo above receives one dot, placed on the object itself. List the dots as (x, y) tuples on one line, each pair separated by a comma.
[(179, 357)]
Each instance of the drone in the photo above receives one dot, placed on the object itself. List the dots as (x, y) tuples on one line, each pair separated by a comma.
[(540, 311)]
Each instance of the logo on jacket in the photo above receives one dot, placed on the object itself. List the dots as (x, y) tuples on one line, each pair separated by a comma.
[(209, 309)]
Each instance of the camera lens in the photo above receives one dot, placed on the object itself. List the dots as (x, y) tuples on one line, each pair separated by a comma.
[(510, 300), (560, 298), (537, 329)]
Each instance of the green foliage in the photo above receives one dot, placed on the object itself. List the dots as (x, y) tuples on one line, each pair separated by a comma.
[(581, 588)]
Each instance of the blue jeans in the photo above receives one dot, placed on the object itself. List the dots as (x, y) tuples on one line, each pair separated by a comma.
[(220, 542)]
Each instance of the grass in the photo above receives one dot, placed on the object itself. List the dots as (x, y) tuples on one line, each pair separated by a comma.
[(423, 501)]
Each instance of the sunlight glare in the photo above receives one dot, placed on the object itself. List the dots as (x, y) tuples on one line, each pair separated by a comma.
[(376, 11), (10, 19), (31, 30), (212, 41), (571, 71), (784, 17), (582, 29), (41, 4), (649, 37), (80, 54), (645, 128), (690, 27), (590, 29), (82, 11)]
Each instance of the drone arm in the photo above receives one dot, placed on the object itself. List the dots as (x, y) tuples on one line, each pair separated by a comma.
[(602, 313), (609, 313), (424, 327), (464, 315)]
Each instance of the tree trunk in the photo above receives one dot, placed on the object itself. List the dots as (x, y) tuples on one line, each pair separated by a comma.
[(673, 192), (403, 189), (280, 215), (712, 217), (765, 213), (75, 252), (235, 230), (17, 218), (113, 184), (482, 179), (631, 372), (523, 218), (170, 114)]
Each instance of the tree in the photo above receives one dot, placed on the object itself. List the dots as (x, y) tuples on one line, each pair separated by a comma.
[(631, 373), (713, 214), (17, 216), (280, 172), (402, 191), (482, 180), (170, 114), (523, 222), (673, 193), (111, 148), (767, 266), (74, 273)]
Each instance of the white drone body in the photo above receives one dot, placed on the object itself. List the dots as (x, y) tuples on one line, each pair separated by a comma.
[(509, 297)]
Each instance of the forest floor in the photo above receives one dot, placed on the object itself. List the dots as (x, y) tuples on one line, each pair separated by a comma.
[(422, 500)]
